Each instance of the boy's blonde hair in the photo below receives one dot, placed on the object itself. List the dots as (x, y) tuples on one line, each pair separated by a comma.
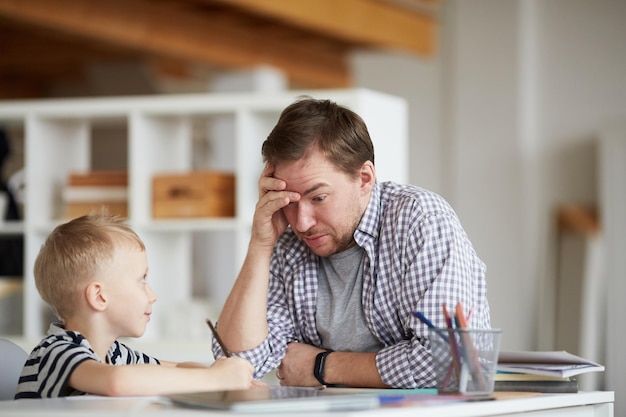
[(72, 255)]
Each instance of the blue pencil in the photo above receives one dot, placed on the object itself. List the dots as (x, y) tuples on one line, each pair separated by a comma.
[(423, 318), (427, 322)]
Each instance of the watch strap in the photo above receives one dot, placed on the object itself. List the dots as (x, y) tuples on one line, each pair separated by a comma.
[(318, 368)]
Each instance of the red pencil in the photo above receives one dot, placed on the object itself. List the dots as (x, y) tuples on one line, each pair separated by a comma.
[(454, 348), (469, 349)]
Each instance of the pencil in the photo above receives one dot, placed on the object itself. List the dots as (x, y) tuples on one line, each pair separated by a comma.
[(454, 348), (218, 338), (470, 349)]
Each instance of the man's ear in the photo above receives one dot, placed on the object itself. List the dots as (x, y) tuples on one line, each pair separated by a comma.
[(95, 295), (368, 177)]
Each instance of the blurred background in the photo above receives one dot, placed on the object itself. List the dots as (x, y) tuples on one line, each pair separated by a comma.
[(517, 112)]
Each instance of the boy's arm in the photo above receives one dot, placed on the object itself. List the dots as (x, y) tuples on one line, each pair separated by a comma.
[(182, 364), (128, 380)]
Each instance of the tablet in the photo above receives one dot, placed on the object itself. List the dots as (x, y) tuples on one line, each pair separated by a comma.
[(276, 398)]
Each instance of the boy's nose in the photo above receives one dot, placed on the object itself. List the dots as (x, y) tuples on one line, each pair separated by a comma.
[(152, 295)]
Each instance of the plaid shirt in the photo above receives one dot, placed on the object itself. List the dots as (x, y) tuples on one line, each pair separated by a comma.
[(417, 257)]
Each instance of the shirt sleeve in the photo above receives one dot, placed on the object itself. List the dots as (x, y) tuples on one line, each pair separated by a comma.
[(259, 357), (47, 371), (120, 354), (440, 267)]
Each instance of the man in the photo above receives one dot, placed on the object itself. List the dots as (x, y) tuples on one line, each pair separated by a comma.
[(337, 262)]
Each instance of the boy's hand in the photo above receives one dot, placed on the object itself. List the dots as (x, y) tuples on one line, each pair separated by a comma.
[(233, 373)]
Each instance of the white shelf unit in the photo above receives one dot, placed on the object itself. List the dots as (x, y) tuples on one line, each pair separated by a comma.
[(160, 132)]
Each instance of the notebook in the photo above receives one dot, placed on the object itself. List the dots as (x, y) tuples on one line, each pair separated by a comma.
[(276, 398)]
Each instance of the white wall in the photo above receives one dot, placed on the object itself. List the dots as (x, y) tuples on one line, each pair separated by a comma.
[(417, 81), (519, 93), (464, 142)]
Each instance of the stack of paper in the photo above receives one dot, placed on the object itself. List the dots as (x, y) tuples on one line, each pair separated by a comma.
[(551, 363), (541, 371)]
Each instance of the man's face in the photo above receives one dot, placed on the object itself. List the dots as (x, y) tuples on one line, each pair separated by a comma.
[(331, 204)]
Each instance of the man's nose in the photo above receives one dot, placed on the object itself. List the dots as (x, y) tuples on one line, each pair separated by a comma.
[(306, 218)]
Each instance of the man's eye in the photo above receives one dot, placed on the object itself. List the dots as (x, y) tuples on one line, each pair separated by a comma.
[(319, 198)]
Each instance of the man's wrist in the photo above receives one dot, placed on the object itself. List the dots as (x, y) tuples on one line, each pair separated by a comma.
[(259, 248), (319, 367)]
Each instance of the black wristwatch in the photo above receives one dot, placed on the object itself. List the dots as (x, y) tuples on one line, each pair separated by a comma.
[(318, 368)]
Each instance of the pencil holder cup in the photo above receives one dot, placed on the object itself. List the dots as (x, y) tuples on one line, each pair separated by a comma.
[(465, 359)]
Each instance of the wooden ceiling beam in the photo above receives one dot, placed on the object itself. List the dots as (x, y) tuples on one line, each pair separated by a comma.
[(373, 23), (171, 31)]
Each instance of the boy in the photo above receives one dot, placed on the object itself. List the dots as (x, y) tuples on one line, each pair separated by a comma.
[(92, 271)]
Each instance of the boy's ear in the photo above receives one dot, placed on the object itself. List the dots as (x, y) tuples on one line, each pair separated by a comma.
[(95, 296)]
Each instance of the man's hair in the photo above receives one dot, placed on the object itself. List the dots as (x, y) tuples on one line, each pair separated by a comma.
[(74, 253), (309, 124)]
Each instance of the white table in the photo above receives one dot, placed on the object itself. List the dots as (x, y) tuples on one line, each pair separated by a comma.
[(583, 404)]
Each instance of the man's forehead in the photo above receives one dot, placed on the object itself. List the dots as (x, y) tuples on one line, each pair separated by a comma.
[(306, 183), (303, 169)]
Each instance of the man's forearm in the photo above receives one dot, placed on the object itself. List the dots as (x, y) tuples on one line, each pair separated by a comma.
[(242, 323), (355, 369)]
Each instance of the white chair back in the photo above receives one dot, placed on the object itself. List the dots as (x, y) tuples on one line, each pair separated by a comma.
[(12, 358)]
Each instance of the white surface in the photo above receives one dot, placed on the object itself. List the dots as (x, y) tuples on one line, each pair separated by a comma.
[(588, 404), (613, 209), (11, 358)]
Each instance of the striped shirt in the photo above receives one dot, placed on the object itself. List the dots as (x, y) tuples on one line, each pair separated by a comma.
[(47, 370), (417, 257)]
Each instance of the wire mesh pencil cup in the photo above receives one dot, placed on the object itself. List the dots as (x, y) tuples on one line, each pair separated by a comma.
[(465, 359)]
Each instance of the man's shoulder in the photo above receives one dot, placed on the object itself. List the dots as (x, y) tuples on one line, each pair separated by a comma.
[(412, 198)]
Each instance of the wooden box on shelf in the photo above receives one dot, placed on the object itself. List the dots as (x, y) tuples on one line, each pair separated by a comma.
[(194, 194), (93, 191)]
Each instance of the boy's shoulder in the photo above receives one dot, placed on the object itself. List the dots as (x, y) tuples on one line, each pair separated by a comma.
[(57, 331), (58, 336), (51, 363), (59, 339)]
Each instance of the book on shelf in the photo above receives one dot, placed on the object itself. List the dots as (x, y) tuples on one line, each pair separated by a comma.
[(72, 193), (77, 209), (548, 363), (93, 191), (98, 178)]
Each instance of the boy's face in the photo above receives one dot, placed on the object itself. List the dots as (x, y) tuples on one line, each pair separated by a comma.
[(331, 203), (130, 296)]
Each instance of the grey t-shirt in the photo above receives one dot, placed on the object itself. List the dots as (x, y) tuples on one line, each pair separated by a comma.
[(339, 316)]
